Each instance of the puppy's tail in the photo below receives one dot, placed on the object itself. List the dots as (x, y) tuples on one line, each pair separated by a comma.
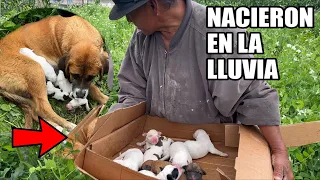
[(215, 151)]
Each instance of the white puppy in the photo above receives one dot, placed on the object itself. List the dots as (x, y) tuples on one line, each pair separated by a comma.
[(148, 173), (77, 102), (153, 153), (47, 68), (57, 93), (152, 138), (202, 145), (179, 154), (63, 83), (170, 172), (165, 142), (132, 158)]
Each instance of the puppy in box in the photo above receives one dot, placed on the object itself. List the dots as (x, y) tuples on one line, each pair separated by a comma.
[(179, 154), (193, 171), (152, 138), (154, 166), (170, 172), (153, 153), (202, 146), (165, 143), (148, 173), (132, 158)]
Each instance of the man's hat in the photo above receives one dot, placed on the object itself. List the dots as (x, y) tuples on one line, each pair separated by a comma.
[(123, 7)]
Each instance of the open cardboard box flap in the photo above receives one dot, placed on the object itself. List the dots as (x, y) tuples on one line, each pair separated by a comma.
[(249, 154), (91, 124)]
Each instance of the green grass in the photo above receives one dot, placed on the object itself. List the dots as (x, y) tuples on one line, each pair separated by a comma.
[(298, 54), (23, 163)]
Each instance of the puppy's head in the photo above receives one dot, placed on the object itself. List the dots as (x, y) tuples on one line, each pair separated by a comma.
[(159, 165), (199, 132), (152, 136), (82, 64), (170, 172), (194, 172), (147, 165)]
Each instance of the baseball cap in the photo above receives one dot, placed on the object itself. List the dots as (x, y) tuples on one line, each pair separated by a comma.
[(123, 7)]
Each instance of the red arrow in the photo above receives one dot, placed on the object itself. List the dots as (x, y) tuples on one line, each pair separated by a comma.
[(48, 137)]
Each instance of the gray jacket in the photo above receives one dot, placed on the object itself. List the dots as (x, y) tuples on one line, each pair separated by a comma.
[(174, 83)]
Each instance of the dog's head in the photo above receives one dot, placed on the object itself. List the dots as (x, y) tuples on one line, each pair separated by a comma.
[(147, 165), (170, 172), (82, 64), (152, 136), (198, 133), (193, 171)]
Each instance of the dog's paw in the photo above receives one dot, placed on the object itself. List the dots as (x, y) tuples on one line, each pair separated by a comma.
[(59, 128), (73, 125)]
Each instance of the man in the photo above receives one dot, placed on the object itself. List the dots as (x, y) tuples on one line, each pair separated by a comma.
[(165, 65)]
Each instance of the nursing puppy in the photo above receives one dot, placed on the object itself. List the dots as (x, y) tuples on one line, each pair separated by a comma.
[(202, 146), (179, 154), (77, 102), (47, 68), (63, 83), (132, 158), (56, 93), (70, 44), (152, 138)]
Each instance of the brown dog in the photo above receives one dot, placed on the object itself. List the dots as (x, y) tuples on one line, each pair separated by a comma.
[(68, 43)]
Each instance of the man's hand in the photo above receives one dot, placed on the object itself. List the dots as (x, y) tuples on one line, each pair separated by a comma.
[(281, 166), (280, 160)]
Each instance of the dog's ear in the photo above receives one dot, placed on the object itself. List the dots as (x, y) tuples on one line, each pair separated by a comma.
[(63, 65), (105, 64)]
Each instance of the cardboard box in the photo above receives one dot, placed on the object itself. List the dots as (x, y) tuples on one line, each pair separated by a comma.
[(249, 154)]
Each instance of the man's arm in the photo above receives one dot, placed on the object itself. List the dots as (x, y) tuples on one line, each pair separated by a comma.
[(274, 138), (280, 161), (256, 103)]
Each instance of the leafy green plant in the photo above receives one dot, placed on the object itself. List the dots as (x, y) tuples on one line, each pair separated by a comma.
[(23, 163), (13, 7)]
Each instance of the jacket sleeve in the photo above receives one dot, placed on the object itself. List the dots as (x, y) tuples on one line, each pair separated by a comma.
[(131, 79), (251, 102)]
